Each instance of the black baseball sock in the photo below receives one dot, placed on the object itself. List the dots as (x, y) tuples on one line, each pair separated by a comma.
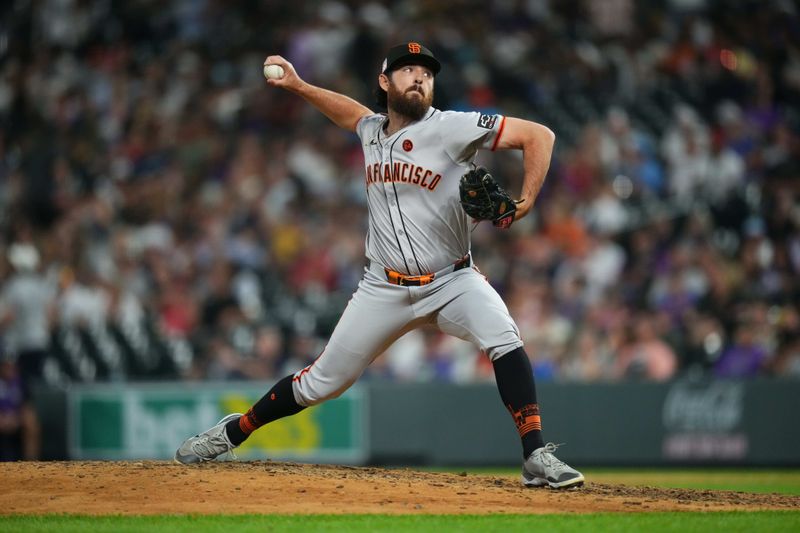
[(518, 391), (277, 403)]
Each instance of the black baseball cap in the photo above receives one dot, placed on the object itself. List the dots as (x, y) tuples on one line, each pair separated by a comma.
[(411, 53)]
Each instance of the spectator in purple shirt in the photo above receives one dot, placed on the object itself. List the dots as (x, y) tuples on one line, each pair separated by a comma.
[(744, 358), (19, 425)]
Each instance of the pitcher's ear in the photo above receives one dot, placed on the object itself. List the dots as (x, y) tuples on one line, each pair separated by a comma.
[(383, 81)]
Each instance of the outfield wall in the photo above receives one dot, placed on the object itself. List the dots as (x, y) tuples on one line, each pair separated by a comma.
[(681, 423)]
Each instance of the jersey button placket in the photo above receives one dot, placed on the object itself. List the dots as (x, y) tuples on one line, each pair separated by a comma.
[(402, 241)]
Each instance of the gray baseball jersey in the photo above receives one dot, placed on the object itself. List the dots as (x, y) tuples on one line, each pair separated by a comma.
[(416, 224), (416, 227)]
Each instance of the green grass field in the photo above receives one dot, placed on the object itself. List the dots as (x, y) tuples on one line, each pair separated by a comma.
[(679, 522), (761, 481)]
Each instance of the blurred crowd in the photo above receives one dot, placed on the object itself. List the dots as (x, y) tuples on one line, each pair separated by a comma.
[(166, 215)]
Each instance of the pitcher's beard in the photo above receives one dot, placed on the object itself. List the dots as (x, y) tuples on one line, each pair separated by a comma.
[(408, 105)]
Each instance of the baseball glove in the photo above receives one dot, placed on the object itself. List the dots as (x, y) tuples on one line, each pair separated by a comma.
[(483, 199)]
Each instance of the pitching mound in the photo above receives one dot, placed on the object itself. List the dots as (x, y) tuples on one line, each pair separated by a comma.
[(150, 487)]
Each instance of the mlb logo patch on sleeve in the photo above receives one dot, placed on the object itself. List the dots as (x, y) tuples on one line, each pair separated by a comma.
[(487, 121)]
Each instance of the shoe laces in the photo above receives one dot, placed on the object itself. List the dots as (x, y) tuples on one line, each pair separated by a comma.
[(207, 446), (550, 460)]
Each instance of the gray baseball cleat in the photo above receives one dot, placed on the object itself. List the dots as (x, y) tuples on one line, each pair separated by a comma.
[(208, 445), (543, 468)]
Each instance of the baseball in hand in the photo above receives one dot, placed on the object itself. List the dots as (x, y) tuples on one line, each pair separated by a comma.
[(273, 72)]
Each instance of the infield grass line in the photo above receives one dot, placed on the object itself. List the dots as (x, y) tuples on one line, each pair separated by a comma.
[(764, 481), (683, 522)]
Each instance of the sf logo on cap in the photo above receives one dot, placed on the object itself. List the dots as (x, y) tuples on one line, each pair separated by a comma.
[(414, 48)]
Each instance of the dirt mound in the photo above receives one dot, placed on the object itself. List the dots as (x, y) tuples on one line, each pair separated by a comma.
[(152, 487)]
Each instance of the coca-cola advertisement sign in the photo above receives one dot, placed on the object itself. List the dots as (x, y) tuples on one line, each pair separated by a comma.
[(703, 422)]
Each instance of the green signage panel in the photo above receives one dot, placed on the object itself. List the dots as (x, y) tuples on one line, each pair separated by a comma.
[(150, 421)]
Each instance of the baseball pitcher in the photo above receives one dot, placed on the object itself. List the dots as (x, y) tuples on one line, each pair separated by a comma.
[(423, 193)]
